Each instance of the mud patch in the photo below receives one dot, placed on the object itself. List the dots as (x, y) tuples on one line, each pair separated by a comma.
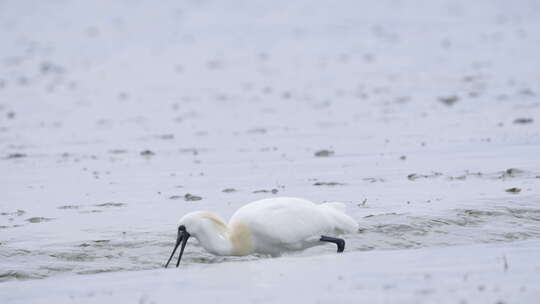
[(15, 155), (324, 153), (373, 179), (415, 176), (147, 153), (19, 212), (38, 219), (12, 226), (191, 198), (330, 184), (506, 174), (69, 207), (91, 211), (512, 172), (273, 191), (449, 100), (110, 204), (523, 121), (513, 190)]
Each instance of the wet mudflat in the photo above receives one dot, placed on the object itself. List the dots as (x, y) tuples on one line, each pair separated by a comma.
[(423, 119)]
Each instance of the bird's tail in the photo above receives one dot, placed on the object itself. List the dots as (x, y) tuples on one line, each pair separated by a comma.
[(342, 222)]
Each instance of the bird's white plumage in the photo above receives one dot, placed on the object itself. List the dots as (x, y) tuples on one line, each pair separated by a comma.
[(280, 224), (269, 226)]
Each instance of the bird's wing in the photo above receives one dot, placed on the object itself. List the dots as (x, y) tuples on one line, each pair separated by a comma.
[(284, 220)]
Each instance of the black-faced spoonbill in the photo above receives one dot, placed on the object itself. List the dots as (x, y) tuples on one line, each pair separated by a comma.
[(269, 226)]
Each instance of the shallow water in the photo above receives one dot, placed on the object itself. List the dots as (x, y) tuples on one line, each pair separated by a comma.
[(386, 231)]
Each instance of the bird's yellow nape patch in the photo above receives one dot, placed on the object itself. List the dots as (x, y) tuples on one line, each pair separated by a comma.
[(240, 237), (220, 225)]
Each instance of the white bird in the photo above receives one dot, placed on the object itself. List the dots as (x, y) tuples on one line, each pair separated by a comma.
[(269, 226)]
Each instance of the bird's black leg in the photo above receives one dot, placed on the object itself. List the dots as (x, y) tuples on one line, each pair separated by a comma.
[(339, 242)]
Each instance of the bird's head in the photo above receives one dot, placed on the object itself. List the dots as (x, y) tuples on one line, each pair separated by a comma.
[(194, 224)]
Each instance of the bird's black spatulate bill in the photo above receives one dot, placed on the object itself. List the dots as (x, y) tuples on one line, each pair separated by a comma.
[(185, 237), (178, 240)]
